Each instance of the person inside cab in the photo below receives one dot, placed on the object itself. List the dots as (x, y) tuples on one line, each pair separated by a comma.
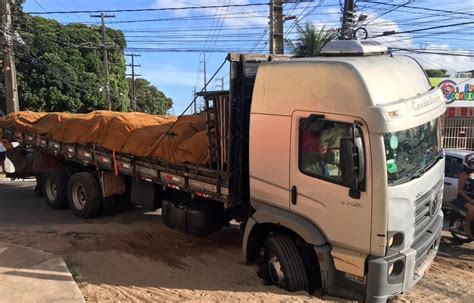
[(313, 160), (465, 198)]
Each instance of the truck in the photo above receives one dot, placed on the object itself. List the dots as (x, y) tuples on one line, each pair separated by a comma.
[(332, 165)]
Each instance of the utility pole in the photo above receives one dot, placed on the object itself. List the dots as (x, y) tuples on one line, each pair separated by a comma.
[(133, 75), (276, 27), (102, 16), (205, 72), (221, 85), (195, 100), (9, 69), (348, 20)]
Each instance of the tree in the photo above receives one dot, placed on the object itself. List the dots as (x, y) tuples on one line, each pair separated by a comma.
[(437, 73), (59, 67), (310, 41), (149, 98)]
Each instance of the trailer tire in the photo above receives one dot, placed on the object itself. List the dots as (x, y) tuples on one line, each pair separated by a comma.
[(84, 195), (54, 187), (284, 264)]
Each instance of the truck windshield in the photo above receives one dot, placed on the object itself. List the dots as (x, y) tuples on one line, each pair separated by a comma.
[(409, 153)]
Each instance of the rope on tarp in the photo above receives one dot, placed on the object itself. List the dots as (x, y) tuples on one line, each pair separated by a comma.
[(192, 102)]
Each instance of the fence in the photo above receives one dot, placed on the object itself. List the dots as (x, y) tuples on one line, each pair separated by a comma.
[(458, 132)]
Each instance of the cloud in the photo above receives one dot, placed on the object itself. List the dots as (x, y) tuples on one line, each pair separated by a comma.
[(451, 63), (408, 41), (240, 16), (382, 25)]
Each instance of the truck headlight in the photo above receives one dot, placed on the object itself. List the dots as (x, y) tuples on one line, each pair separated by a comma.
[(395, 240), (396, 268), (390, 269)]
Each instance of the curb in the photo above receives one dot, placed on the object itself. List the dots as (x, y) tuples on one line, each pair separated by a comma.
[(31, 275)]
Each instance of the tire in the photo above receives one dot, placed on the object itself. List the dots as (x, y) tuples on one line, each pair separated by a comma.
[(284, 265), (54, 187), (84, 195), (457, 223)]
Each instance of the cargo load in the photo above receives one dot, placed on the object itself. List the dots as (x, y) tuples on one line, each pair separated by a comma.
[(171, 139)]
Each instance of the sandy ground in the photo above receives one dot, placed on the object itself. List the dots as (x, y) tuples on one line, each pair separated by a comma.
[(129, 255)]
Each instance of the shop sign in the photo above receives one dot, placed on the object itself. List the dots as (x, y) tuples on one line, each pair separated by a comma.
[(458, 92)]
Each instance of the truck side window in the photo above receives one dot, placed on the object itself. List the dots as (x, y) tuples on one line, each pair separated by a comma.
[(319, 148)]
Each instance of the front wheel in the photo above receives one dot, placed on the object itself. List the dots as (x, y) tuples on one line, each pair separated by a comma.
[(284, 264), (457, 224), (84, 195)]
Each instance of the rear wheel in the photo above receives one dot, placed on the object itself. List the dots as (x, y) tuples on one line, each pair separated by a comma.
[(284, 265), (84, 195), (54, 187)]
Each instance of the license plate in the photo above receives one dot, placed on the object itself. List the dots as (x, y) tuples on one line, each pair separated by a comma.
[(423, 268)]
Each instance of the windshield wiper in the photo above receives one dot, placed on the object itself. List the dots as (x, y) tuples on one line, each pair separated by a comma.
[(417, 173), (420, 172)]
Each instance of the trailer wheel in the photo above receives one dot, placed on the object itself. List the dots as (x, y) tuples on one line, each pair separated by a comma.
[(284, 265), (54, 187), (84, 195)]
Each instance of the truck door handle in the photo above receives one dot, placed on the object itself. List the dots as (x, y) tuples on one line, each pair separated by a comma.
[(448, 184), (293, 195)]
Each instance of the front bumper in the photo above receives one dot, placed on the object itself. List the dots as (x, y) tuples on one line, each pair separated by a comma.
[(417, 259)]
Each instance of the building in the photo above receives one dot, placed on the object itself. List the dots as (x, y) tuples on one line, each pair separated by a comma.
[(458, 121)]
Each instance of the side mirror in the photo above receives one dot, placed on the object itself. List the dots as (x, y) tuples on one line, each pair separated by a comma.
[(347, 162), (352, 164)]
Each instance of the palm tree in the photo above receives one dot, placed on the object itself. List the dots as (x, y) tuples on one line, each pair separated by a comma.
[(310, 41)]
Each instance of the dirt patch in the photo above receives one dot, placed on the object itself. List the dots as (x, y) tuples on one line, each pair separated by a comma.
[(132, 256)]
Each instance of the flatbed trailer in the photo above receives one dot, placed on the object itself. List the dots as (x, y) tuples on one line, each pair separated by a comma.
[(196, 180), (225, 179)]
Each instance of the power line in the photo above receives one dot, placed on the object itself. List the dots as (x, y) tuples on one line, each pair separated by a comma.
[(147, 9), (302, 17), (422, 8), (421, 51), (426, 59), (182, 50), (390, 33), (388, 11), (188, 29), (232, 15)]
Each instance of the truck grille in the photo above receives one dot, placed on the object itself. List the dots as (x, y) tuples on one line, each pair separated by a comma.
[(426, 208)]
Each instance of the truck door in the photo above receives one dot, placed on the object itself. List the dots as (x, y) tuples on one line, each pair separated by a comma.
[(320, 189)]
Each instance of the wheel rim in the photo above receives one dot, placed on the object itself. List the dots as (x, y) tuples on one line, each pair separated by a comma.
[(51, 188), (79, 196), (276, 271), (459, 224)]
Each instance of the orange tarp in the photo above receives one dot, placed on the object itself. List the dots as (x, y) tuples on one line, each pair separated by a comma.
[(178, 141)]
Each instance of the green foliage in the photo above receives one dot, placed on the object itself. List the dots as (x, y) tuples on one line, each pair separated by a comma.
[(149, 98), (59, 67), (437, 73), (310, 41)]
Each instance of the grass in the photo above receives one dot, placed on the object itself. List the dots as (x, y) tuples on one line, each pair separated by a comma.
[(76, 274)]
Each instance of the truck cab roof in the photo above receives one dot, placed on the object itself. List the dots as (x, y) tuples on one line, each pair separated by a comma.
[(385, 91)]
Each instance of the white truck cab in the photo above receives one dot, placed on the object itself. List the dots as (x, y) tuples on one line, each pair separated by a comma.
[(345, 155)]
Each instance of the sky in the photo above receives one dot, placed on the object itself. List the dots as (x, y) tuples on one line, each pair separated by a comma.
[(173, 44)]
